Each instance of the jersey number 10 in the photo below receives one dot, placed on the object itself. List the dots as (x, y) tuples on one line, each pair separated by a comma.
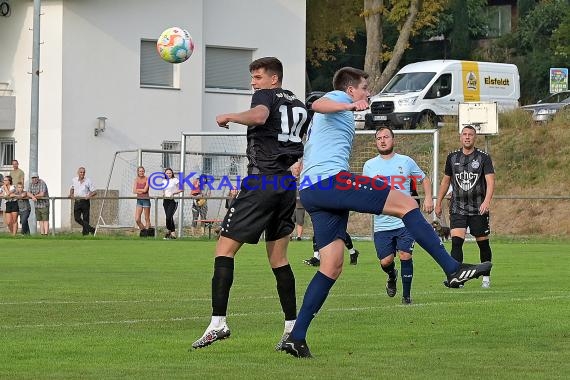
[(292, 124)]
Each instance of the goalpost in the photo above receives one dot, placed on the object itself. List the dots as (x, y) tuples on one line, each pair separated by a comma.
[(220, 156), (422, 145)]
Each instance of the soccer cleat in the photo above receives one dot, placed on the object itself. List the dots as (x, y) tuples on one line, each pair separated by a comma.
[(354, 257), (313, 261), (407, 300), (210, 336), (446, 284), (391, 284), (297, 348), (298, 238), (467, 272), (279, 346), (167, 236)]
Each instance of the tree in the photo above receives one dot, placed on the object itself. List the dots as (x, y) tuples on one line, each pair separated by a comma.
[(409, 18), (541, 42), (330, 23)]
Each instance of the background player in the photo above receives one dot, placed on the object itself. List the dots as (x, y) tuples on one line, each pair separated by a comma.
[(353, 253), (390, 234), (473, 185)]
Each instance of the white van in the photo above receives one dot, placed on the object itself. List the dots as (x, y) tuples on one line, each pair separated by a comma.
[(425, 92)]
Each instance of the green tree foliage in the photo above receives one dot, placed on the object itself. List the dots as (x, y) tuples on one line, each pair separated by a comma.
[(459, 34), (470, 12), (560, 42), (541, 41), (333, 24), (409, 17), (330, 24)]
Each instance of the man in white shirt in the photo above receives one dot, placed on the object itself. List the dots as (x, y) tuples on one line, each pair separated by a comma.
[(82, 190)]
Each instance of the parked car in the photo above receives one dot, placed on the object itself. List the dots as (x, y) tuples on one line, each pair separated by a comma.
[(545, 109)]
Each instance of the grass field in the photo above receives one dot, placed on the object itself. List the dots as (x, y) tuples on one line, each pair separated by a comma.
[(94, 309)]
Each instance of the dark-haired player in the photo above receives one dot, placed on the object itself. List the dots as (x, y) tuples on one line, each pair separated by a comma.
[(472, 177), (276, 122)]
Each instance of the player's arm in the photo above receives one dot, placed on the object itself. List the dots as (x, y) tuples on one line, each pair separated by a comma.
[(490, 179), (254, 116), (326, 105), (445, 181), (428, 199)]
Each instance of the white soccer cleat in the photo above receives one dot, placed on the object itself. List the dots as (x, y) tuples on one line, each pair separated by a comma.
[(212, 335)]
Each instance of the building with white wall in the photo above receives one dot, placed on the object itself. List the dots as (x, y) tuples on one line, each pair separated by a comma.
[(96, 60)]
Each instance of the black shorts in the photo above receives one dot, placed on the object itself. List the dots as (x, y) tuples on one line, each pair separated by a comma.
[(478, 224), (263, 204), (12, 206)]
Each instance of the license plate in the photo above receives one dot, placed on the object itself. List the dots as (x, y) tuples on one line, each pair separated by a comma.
[(380, 118)]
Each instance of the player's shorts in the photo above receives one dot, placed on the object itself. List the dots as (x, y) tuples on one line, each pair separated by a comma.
[(144, 203), (478, 224), (264, 203), (299, 216), (328, 203), (389, 242)]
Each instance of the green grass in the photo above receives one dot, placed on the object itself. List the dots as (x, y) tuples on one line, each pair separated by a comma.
[(94, 308)]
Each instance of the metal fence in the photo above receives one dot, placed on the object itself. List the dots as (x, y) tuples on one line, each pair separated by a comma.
[(511, 215)]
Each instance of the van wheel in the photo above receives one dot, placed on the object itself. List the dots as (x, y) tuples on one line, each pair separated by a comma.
[(427, 120)]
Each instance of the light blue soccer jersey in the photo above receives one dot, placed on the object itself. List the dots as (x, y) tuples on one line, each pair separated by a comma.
[(329, 142), (397, 172)]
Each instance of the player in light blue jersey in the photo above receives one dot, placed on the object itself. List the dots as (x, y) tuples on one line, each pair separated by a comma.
[(328, 192), (390, 233)]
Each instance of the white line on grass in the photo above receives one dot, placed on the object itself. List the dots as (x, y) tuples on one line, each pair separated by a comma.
[(247, 315), (360, 295)]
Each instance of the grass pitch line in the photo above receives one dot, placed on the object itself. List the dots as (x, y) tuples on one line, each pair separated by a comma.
[(248, 315), (361, 295)]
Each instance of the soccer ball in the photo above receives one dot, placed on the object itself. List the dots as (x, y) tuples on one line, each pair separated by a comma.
[(175, 45)]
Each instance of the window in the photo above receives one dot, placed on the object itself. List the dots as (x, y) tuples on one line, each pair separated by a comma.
[(227, 68), (171, 160), (154, 71), (234, 165), (499, 17), (440, 88), (207, 165), (7, 152)]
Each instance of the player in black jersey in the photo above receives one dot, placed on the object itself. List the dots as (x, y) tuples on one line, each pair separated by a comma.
[(472, 177), (276, 123)]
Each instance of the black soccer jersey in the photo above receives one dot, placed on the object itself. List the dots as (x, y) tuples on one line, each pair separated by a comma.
[(468, 182), (274, 146)]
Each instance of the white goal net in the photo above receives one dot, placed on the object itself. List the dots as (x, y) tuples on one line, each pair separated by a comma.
[(221, 161)]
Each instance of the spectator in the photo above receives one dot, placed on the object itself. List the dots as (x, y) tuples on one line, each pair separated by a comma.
[(232, 195), (40, 195), (169, 203), (24, 208), (82, 190), (141, 188), (16, 173), (200, 203), (8, 191)]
